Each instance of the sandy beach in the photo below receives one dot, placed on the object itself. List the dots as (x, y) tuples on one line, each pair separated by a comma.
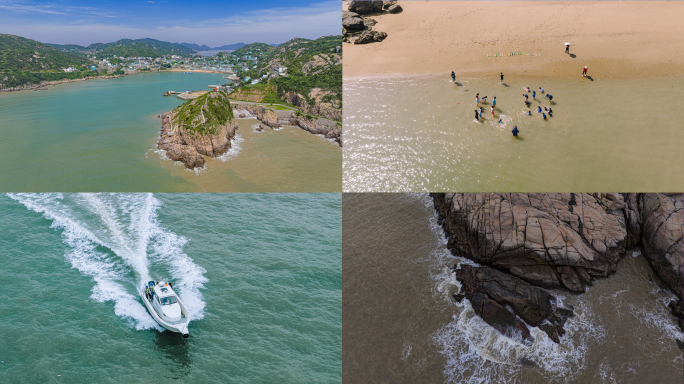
[(615, 39), (192, 70)]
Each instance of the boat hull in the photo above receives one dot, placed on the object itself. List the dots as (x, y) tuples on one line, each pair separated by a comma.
[(180, 327)]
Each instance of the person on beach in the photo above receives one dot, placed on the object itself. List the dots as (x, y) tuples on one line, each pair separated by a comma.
[(544, 116), (584, 71), (500, 122), (515, 131), (529, 113), (526, 97), (492, 110), (527, 103), (567, 49), (480, 110), (494, 101), (539, 109), (541, 90), (484, 100), (550, 110), (550, 97), (546, 109), (453, 76), (527, 89), (501, 77), (550, 113), (477, 116), (534, 94), (477, 98)]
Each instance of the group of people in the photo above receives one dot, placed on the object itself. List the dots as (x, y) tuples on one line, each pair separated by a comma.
[(478, 111), (548, 110), (149, 291)]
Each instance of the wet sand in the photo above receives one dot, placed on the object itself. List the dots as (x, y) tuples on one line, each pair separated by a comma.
[(615, 39)]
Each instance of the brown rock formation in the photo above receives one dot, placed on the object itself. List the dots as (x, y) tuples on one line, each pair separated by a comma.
[(266, 116), (564, 240), (328, 130), (188, 146), (320, 108)]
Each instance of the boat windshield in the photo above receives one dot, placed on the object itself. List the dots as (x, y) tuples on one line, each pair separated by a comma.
[(168, 300)]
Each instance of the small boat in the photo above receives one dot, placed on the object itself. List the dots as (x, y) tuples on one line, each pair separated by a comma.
[(166, 307)]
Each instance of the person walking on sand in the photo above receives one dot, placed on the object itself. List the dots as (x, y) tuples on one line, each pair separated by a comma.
[(453, 76), (477, 98), (501, 77), (584, 71), (477, 116), (534, 94), (494, 102), (492, 111), (567, 48)]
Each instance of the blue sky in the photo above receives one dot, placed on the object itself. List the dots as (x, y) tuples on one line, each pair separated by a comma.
[(213, 23)]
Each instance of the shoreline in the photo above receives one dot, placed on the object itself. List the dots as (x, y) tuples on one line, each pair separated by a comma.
[(44, 84), (614, 39), (193, 70)]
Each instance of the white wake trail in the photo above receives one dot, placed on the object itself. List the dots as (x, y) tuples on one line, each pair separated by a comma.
[(116, 239)]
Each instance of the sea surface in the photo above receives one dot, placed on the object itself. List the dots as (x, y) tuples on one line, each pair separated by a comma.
[(400, 323), (100, 136), (260, 274), (418, 134)]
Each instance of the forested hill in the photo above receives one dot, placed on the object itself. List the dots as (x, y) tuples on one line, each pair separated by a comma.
[(130, 48), (310, 64), (21, 54)]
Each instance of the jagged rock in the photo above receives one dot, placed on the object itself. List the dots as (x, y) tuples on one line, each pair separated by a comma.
[(369, 22), (353, 23), (365, 7), (492, 292), (680, 344), (329, 131), (661, 215), (266, 116), (320, 108), (396, 8), (369, 36)]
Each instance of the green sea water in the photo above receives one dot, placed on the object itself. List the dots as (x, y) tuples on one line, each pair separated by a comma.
[(259, 273), (100, 135)]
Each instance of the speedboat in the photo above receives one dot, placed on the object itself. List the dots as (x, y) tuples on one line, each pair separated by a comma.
[(166, 307)]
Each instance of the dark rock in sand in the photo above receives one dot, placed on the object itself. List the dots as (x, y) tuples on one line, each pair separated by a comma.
[(369, 36), (365, 7), (680, 344), (353, 23), (396, 8)]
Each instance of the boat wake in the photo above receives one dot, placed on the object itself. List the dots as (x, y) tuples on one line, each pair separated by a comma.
[(117, 240)]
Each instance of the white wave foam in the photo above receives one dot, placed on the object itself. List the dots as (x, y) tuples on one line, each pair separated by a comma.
[(115, 238), (235, 148)]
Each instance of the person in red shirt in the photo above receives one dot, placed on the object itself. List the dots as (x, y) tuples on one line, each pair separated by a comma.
[(584, 71)]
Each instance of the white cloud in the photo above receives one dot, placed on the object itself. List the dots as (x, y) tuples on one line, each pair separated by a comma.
[(269, 26)]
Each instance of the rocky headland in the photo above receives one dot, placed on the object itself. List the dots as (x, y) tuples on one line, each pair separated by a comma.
[(357, 26), (527, 243), (201, 127), (276, 119)]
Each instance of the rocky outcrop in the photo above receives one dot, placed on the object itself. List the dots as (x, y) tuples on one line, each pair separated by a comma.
[(492, 293), (320, 108), (366, 7), (369, 36), (661, 234), (564, 240), (357, 28), (315, 126), (266, 116), (201, 127)]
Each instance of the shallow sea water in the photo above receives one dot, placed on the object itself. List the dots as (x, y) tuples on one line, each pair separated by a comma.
[(419, 134)]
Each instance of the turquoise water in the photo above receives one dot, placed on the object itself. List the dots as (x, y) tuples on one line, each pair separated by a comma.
[(260, 274), (100, 135)]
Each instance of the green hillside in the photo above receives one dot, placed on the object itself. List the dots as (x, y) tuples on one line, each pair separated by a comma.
[(310, 64), (129, 48), (21, 54)]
